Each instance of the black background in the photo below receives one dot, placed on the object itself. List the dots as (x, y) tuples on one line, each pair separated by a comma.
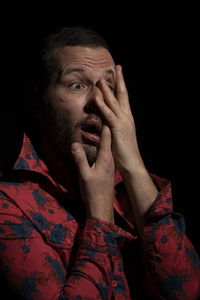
[(158, 48)]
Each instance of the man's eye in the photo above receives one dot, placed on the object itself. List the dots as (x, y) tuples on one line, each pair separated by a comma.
[(109, 85), (76, 85)]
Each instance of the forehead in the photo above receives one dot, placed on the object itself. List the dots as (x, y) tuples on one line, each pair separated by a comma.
[(85, 57)]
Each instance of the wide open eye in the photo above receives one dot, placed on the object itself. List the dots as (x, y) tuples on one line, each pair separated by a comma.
[(76, 85)]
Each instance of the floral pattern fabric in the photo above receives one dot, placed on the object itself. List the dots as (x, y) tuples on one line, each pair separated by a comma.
[(49, 249)]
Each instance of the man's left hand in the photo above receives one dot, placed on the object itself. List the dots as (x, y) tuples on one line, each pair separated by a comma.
[(117, 114)]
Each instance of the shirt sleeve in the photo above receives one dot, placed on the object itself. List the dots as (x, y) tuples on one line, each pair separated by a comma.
[(35, 270), (171, 262)]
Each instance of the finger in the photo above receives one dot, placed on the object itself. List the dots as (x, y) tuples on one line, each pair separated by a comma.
[(105, 144), (104, 150), (121, 91), (109, 98), (80, 159), (106, 112)]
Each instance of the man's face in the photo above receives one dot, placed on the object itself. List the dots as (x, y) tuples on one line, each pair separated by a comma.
[(69, 112)]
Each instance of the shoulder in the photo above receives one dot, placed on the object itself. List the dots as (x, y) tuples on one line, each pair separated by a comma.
[(7, 204)]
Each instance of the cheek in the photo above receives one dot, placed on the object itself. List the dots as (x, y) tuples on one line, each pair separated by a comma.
[(73, 112), (72, 103), (63, 105)]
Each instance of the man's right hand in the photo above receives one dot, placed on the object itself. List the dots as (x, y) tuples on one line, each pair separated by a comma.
[(97, 182)]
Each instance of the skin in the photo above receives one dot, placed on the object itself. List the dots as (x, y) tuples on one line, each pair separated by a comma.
[(69, 103), (77, 98)]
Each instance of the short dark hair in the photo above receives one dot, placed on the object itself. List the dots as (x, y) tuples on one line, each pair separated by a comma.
[(47, 63)]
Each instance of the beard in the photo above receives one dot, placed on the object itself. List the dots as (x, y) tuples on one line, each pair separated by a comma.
[(61, 132)]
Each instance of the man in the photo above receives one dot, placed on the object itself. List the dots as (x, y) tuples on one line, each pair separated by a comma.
[(80, 216)]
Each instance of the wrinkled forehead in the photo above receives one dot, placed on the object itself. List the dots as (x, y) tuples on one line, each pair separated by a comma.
[(90, 59)]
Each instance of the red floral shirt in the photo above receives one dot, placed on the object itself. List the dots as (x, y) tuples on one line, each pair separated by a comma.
[(50, 250)]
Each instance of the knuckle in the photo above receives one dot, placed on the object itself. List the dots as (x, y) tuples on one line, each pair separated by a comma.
[(108, 165), (123, 91)]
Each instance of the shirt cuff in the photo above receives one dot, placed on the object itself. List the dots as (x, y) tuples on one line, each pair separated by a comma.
[(163, 204), (103, 236)]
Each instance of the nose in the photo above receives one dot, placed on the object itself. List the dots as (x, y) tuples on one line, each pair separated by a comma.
[(90, 105)]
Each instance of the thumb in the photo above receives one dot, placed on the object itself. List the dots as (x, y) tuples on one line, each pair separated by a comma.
[(79, 157)]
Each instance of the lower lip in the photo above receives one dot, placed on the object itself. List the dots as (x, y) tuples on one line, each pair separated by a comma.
[(91, 137)]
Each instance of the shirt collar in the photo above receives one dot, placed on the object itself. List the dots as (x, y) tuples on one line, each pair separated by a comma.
[(29, 160)]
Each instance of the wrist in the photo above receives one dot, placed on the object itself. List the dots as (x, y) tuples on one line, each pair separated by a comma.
[(132, 171), (105, 215), (141, 192)]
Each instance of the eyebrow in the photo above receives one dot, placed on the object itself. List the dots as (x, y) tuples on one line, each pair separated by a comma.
[(80, 70)]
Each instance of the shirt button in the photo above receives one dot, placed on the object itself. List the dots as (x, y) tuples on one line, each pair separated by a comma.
[(114, 283), (68, 241)]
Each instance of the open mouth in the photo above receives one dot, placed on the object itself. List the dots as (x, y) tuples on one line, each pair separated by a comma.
[(91, 132)]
